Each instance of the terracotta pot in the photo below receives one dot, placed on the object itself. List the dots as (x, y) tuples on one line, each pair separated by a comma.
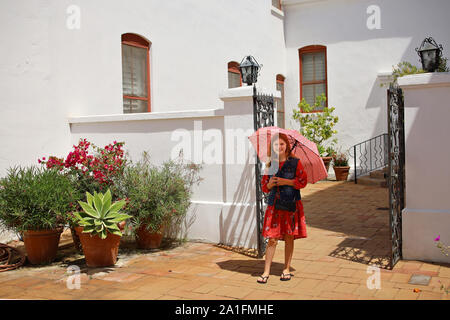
[(326, 162), (99, 252), (149, 240), (76, 240), (42, 245), (341, 173)]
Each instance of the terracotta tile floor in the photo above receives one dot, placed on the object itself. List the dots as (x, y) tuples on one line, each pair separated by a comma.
[(347, 231)]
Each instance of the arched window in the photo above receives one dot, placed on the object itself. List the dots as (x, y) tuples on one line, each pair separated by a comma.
[(280, 105), (313, 73), (135, 73), (234, 75)]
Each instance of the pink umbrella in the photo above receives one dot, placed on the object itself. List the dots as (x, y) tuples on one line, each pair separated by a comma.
[(301, 147)]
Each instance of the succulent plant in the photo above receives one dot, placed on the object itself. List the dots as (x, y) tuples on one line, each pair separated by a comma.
[(100, 216)]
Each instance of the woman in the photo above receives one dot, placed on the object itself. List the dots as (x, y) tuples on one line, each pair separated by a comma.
[(284, 217)]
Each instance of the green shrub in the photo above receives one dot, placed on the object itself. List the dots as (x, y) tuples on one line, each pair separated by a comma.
[(35, 198), (157, 195), (317, 126), (406, 68)]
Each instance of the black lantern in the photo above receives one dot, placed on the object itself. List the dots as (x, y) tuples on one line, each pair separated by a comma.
[(249, 70), (430, 54)]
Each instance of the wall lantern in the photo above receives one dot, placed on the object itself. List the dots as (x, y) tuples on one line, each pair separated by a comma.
[(249, 70), (430, 54)]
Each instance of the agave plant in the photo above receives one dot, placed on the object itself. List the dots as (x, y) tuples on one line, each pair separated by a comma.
[(99, 215)]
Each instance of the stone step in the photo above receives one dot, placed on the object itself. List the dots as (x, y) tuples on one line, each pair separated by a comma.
[(367, 180), (379, 174)]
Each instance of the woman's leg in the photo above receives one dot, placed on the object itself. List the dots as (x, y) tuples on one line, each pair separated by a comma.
[(270, 251), (288, 251)]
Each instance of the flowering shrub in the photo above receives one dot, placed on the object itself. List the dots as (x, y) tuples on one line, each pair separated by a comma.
[(340, 159), (91, 172)]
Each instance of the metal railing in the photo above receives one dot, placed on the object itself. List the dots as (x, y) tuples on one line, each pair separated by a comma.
[(372, 154)]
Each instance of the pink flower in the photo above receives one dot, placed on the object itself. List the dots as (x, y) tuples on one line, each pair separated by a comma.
[(438, 238)]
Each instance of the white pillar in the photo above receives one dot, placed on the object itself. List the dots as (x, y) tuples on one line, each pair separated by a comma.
[(238, 218), (427, 204)]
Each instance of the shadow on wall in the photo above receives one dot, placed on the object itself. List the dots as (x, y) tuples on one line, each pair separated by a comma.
[(239, 225), (179, 228)]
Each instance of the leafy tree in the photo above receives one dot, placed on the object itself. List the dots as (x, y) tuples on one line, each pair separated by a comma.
[(317, 126)]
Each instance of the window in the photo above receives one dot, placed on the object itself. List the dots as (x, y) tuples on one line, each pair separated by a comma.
[(280, 106), (313, 74), (234, 75), (135, 73), (276, 4)]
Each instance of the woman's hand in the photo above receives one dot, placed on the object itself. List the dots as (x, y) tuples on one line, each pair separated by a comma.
[(272, 182), (284, 182), (276, 181)]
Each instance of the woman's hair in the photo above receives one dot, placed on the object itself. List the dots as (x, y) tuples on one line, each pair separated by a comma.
[(270, 151)]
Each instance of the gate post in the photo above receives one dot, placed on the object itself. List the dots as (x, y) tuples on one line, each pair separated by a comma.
[(427, 205), (239, 224)]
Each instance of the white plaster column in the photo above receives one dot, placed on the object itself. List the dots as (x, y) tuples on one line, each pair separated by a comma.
[(238, 218), (427, 130)]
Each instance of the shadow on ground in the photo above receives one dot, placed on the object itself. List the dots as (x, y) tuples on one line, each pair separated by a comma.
[(251, 267), (357, 214)]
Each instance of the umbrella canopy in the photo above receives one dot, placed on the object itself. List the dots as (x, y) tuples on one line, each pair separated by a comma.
[(301, 148)]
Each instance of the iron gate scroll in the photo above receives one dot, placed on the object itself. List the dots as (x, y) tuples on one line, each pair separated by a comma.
[(396, 151), (263, 116)]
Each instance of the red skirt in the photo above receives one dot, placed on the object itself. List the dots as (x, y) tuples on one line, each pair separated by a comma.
[(278, 223)]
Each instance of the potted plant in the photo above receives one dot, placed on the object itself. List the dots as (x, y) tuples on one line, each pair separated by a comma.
[(35, 203), (340, 166), (91, 168), (156, 196), (327, 155), (99, 228), (404, 68), (317, 126)]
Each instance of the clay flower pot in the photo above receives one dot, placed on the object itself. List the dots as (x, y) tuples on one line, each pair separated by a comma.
[(99, 252), (76, 240), (341, 173), (326, 162), (42, 245), (148, 240)]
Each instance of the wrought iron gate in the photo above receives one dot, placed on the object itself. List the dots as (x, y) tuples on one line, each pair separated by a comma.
[(263, 116), (396, 151)]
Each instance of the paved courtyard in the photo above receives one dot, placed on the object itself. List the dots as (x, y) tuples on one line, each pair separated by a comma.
[(348, 231)]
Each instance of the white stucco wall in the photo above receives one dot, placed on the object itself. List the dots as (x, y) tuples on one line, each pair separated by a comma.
[(223, 204), (49, 72), (427, 204), (356, 55)]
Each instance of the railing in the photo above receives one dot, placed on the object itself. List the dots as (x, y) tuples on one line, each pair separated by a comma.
[(373, 154)]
